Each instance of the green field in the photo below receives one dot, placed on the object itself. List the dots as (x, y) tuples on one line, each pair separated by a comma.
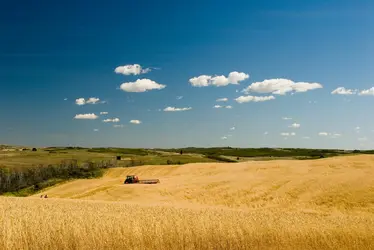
[(13, 157)]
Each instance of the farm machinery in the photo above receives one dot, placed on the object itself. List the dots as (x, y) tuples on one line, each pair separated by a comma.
[(133, 179)]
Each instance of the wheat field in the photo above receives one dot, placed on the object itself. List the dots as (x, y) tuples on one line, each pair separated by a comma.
[(282, 204)]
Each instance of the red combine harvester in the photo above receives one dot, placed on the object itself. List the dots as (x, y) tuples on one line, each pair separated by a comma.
[(132, 179)]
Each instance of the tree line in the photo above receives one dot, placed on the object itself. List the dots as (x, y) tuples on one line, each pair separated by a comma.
[(14, 179)]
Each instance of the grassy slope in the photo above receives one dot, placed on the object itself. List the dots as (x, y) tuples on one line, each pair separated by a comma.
[(340, 182), (312, 204)]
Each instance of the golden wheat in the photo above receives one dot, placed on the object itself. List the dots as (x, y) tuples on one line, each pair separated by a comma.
[(69, 224), (320, 204)]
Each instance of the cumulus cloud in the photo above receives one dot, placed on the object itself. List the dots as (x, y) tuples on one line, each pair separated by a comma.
[(343, 91), (367, 92), (91, 100), (323, 134), (224, 137), (236, 77), (217, 106), (90, 116), (228, 107), (103, 113), (174, 109), (80, 101), (249, 98), (129, 69), (135, 122), (141, 85), (232, 128), (281, 86), (96, 130), (65, 99), (179, 97), (288, 134), (111, 120), (218, 81), (222, 100), (286, 118), (295, 125), (201, 81)]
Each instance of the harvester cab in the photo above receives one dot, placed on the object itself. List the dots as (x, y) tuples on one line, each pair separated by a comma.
[(131, 179)]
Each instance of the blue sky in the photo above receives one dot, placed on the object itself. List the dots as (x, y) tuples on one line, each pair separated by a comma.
[(285, 58)]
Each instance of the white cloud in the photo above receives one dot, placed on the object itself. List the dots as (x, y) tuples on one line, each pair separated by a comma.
[(86, 116), (249, 98), (201, 81), (91, 100), (141, 85), (236, 77), (266, 133), (80, 101), (65, 99), (357, 129), (228, 107), (218, 81), (288, 134), (217, 106), (280, 86), (367, 92), (222, 100), (135, 122), (295, 125), (179, 97), (362, 139), (173, 109), (232, 128), (224, 137), (306, 137), (118, 126), (111, 120), (286, 118), (96, 130), (103, 113), (323, 133), (135, 69), (343, 91)]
